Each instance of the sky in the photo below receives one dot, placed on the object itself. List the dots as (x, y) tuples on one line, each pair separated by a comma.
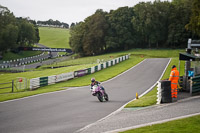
[(66, 11)]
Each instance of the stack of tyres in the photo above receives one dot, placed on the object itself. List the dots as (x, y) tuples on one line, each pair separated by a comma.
[(166, 91)]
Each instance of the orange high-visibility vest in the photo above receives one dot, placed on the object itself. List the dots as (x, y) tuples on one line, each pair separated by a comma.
[(174, 76)]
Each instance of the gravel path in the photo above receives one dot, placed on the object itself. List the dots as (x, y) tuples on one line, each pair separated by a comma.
[(139, 117)]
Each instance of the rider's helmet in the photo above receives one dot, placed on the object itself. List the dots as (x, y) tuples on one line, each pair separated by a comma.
[(92, 79)]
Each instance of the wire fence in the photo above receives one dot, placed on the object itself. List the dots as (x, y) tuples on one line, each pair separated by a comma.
[(7, 87), (17, 85)]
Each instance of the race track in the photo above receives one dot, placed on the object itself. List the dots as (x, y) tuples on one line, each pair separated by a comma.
[(70, 110)]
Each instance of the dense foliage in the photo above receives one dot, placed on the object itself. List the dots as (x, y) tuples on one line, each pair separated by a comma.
[(15, 32), (146, 25), (194, 24)]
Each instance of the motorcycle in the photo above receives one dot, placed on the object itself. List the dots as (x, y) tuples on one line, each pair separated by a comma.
[(101, 94)]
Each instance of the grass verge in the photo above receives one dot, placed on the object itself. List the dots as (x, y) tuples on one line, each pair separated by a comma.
[(186, 125)]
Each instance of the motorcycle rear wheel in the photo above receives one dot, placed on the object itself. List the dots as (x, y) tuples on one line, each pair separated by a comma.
[(100, 97)]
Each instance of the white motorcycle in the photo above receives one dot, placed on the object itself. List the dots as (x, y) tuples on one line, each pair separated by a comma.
[(101, 94)]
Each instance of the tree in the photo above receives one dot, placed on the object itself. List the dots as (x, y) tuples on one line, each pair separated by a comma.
[(95, 32), (141, 22), (65, 25), (194, 24), (159, 22), (120, 32), (88, 38), (72, 25), (146, 25), (27, 33), (8, 37), (76, 37), (36, 30), (179, 17), (53, 23), (9, 30)]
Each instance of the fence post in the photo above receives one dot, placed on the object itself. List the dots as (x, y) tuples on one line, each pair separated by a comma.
[(191, 82), (12, 86)]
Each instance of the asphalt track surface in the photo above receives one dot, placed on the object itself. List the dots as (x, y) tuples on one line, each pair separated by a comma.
[(70, 110)]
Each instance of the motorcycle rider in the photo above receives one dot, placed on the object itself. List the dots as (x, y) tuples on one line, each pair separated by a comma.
[(94, 82)]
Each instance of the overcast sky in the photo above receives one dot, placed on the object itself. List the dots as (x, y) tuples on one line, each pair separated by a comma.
[(67, 11)]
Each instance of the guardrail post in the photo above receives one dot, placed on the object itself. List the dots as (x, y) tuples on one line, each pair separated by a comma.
[(191, 86), (12, 86)]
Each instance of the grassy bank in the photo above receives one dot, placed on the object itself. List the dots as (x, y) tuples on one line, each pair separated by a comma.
[(54, 37)]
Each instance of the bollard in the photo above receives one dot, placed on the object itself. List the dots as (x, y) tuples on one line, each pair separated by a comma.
[(137, 95)]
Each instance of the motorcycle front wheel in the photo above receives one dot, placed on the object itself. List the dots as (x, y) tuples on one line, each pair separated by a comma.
[(106, 96)]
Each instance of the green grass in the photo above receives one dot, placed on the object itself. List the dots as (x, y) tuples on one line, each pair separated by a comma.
[(144, 53), (137, 55), (146, 100), (186, 125), (54, 37), (156, 53), (84, 60)]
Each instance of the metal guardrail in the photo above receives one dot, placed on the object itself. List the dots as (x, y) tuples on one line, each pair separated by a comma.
[(195, 84), (23, 61)]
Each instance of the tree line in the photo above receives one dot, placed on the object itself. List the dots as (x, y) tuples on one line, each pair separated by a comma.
[(51, 22), (21, 32), (146, 25), (16, 32)]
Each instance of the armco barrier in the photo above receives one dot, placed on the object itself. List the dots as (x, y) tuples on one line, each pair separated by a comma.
[(34, 83), (64, 77), (195, 84), (51, 80), (80, 73), (43, 81), (96, 68), (93, 69), (22, 61), (159, 93), (104, 65), (99, 67)]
